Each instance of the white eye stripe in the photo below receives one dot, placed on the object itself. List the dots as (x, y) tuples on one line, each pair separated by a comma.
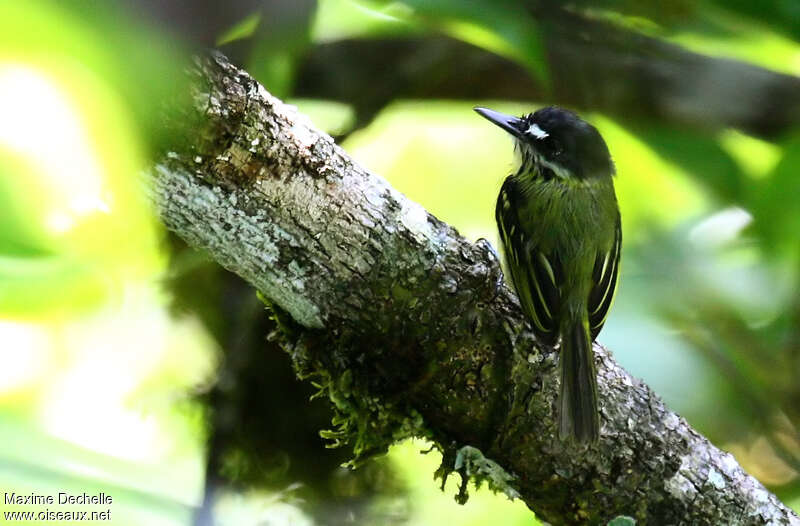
[(537, 132)]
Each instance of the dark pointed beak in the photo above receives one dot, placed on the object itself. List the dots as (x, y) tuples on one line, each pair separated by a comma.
[(507, 122)]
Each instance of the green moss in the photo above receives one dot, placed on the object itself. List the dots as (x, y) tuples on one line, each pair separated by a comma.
[(622, 520), (286, 324), (401, 294), (366, 422), (369, 421), (470, 463)]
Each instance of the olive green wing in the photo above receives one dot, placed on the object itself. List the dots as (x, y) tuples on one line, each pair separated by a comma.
[(604, 282), (536, 275)]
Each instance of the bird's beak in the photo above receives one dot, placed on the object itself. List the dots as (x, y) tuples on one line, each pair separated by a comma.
[(507, 122)]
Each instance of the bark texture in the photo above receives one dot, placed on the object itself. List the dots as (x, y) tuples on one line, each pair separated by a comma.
[(411, 330)]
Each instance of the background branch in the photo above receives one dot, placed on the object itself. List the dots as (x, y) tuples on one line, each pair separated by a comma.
[(411, 327), (594, 65)]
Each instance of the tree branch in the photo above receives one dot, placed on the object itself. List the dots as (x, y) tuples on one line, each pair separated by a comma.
[(411, 330)]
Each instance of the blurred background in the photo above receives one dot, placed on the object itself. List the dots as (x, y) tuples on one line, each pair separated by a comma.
[(134, 366)]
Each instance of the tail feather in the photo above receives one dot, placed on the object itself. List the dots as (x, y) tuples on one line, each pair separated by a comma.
[(578, 417)]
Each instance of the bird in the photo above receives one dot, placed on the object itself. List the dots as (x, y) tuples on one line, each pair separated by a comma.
[(560, 228)]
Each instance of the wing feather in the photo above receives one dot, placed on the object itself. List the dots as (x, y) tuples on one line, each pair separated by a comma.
[(604, 278), (535, 277)]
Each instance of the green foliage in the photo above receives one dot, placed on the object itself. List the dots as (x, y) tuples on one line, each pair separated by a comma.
[(470, 463), (342, 19), (362, 421), (697, 153), (369, 428), (75, 133), (504, 27), (242, 29), (775, 206)]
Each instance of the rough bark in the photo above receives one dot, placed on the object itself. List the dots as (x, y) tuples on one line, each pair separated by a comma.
[(411, 329)]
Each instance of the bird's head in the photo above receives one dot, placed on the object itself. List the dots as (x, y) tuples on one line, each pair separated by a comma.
[(556, 143)]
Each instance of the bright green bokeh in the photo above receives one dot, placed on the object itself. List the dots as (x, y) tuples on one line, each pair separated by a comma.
[(432, 506), (723, 33), (94, 372), (75, 226)]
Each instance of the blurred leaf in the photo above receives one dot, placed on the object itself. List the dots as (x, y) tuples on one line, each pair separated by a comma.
[(274, 69), (35, 286), (782, 15), (142, 493), (242, 29), (19, 236), (140, 64), (635, 14), (700, 156), (280, 40), (433, 506), (720, 31), (756, 157), (332, 117), (775, 205), (762, 33), (504, 27), (651, 189), (69, 158), (342, 19)]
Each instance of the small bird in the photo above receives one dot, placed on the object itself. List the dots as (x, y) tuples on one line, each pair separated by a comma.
[(560, 227)]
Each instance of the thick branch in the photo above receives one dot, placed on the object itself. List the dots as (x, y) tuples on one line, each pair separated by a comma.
[(401, 310)]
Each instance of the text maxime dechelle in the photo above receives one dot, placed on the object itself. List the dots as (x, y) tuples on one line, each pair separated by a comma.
[(61, 498)]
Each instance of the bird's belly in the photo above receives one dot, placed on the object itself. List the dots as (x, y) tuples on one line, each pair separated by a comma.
[(567, 216), (572, 222)]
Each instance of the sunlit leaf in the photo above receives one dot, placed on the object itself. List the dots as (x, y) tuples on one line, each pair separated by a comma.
[(332, 117), (245, 28), (756, 157), (341, 19), (721, 32), (652, 189), (775, 203), (432, 506), (70, 155), (700, 156), (504, 27)]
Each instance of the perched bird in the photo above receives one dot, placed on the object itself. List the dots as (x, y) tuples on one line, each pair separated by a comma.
[(560, 227)]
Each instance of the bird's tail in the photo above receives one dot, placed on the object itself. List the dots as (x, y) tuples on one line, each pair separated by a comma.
[(577, 402)]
